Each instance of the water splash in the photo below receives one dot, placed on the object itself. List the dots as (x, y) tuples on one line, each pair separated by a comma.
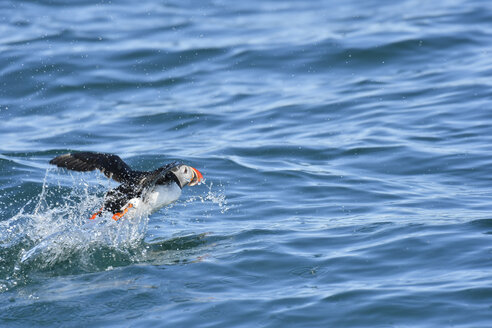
[(214, 196), (52, 233)]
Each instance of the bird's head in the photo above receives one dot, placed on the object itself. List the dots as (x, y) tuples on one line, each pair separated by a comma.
[(186, 175)]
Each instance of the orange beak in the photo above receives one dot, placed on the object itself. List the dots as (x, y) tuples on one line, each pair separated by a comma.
[(197, 177)]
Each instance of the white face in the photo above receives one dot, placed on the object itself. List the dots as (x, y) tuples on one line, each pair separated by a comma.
[(187, 173)]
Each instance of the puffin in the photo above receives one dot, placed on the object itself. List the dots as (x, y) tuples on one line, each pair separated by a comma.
[(144, 190)]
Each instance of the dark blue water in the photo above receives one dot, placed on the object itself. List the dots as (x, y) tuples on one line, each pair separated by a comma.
[(346, 145)]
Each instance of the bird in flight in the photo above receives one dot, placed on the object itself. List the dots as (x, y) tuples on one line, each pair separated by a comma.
[(145, 190)]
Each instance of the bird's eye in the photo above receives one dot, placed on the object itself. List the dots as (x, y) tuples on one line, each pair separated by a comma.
[(185, 170)]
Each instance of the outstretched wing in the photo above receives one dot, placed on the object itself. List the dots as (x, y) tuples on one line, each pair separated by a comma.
[(111, 165)]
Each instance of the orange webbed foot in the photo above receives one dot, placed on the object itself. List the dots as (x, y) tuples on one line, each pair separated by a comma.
[(96, 214), (119, 215)]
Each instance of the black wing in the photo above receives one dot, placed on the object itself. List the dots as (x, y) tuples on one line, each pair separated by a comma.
[(111, 165), (162, 175)]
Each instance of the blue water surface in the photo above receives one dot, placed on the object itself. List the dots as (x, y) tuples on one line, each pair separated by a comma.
[(346, 146)]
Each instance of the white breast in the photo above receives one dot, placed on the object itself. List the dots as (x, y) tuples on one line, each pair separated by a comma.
[(162, 195)]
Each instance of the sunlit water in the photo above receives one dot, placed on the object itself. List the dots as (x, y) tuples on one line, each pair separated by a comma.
[(346, 147)]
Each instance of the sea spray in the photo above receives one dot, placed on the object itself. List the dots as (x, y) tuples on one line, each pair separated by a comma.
[(52, 233)]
